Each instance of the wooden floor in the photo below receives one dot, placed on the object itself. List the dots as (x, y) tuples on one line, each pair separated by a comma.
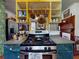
[(76, 57), (1, 57)]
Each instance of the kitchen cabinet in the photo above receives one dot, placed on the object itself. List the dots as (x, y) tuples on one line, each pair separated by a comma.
[(11, 51), (71, 16), (65, 48), (65, 51), (68, 26)]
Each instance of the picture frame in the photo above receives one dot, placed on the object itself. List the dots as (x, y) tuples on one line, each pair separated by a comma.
[(66, 13)]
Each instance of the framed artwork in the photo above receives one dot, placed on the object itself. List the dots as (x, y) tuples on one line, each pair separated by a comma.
[(66, 13)]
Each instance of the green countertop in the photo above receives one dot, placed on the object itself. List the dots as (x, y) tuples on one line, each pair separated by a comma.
[(56, 39), (13, 41), (59, 40)]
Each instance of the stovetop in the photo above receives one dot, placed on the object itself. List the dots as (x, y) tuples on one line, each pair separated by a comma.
[(38, 40), (38, 43)]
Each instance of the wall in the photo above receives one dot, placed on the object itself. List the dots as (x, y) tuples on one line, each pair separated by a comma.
[(66, 3), (10, 5), (10, 14), (2, 26)]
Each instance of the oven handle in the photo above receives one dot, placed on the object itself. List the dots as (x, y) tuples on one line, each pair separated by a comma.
[(37, 51)]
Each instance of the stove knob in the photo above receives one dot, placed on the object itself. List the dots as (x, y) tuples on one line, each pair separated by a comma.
[(26, 48), (45, 48), (49, 48), (30, 48)]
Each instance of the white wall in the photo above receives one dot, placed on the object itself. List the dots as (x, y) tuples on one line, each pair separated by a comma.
[(67, 3), (10, 14)]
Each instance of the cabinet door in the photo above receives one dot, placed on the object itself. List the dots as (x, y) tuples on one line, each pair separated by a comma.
[(65, 55), (65, 51), (11, 51)]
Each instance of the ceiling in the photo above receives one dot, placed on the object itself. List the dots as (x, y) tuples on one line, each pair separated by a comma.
[(11, 4)]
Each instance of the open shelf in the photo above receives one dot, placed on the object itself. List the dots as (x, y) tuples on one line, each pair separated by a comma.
[(21, 5), (21, 13), (51, 10), (39, 5), (56, 11)]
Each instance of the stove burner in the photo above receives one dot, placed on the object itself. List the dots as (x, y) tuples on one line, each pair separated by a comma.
[(38, 40)]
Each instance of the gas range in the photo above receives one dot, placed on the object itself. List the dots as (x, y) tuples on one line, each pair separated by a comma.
[(38, 43)]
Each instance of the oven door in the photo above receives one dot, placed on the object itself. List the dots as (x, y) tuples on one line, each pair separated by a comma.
[(38, 55)]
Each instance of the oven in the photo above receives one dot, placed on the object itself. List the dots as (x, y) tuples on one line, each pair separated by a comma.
[(38, 52), (38, 46)]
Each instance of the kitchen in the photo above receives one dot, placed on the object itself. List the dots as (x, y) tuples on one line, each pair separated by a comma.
[(33, 30)]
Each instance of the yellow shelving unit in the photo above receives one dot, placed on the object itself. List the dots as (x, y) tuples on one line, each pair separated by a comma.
[(50, 8), (56, 11)]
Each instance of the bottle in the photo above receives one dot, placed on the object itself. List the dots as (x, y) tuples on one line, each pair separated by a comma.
[(53, 20), (20, 13)]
